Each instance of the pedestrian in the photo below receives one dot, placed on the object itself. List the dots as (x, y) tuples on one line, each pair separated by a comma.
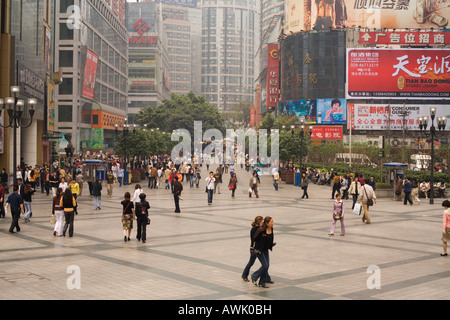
[(446, 226), (217, 181), (304, 186), (197, 176), (276, 178), (355, 190), (256, 224), (5, 180), (97, 194), (110, 182), (2, 201), (120, 175), (338, 214), (68, 204), (232, 185), (210, 187), (253, 185), (28, 193), (415, 191), (177, 189), (58, 213), (336, 185), (80, 180), (367, 197), (63, 184), (141, 214), (344, 187), (54, 183), (127, 216), (398, 188), (75, 188), (137, 191), (263, 243), (16, 202), (407, 188)]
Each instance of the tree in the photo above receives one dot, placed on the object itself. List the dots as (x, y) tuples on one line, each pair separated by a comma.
[(180, 112)]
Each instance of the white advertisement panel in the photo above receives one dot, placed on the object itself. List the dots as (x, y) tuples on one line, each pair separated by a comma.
[(392, 117), (294, 17)]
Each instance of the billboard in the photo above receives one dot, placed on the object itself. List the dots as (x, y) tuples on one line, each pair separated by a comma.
[(90, 72), (398, 73), (391, 117), (420, 38), (273, 71), (316, 111), (391, 14), (294, 21), (327, 133)]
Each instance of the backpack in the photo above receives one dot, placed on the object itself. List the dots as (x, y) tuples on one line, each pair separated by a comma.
[(140, 209)]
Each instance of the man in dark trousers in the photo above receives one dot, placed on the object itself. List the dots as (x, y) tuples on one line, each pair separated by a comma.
[(177, 188), (16, 203)]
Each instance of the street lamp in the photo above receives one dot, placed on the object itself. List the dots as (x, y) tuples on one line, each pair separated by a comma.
[(15, 109), (302, 133), (423, 124)]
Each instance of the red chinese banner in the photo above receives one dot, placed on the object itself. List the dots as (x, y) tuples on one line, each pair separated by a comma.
[(327, 133), (404, 37), (398, 73), (90, 72), (273, 70)]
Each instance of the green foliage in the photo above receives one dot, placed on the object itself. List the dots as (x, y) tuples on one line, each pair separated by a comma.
[(180, 112), (144, 143)]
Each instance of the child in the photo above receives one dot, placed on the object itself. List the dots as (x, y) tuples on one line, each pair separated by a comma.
[(338, 214)]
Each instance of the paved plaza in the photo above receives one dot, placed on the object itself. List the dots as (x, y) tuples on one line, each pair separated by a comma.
[(199, 254)]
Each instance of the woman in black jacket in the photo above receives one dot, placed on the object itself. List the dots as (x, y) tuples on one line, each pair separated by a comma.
[(263, 243), (255, 226)]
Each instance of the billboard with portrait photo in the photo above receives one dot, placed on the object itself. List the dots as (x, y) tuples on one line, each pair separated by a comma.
[(331, 111)]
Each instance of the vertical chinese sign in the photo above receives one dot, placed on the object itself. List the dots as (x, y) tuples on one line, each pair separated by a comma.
[(90, 73), (252, 116), (273, 70)]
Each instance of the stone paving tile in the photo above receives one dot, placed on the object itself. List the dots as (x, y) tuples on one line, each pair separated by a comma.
[(200, 253)]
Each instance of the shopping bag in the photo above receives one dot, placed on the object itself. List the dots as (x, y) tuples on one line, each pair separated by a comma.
[(357, 209)]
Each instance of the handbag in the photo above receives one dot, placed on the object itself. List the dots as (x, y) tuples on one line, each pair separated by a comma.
[(338, 216), (53, 219), (357, 209), (148, 220), (369, 201)]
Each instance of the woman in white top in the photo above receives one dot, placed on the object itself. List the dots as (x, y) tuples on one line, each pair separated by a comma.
[(137, 191), (19, 173), (210, 187), (63, 184)]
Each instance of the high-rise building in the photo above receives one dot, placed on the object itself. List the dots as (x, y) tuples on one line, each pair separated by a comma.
[(230, 41), (26, 62), (91, 48), (148, 59)]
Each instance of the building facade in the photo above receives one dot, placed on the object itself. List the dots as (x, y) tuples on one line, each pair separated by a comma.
[(27, 61), (230, 41), (91, 49), (148, 66)]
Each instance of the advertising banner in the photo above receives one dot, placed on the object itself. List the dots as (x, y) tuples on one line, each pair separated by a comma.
[(327, 133), (294, 21), (316, 111), (392, 117), (90, 72), (391, 14), (273, 71), (252, 116), (398, 73), (432, 38)]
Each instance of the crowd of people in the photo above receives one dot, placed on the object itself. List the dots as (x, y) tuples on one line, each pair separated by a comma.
[(65, 184)]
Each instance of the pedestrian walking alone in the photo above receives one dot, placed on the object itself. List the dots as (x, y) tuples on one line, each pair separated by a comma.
[(16, 203), (27, 198), (338, 214), (263, 243), (68, 204), (256, 224), (97, 194), (143, 220), (210, 187), (446, 226), (304, 186), (355, 190), (253, 185), (177, 189), (232, 185), (367, 197), (407, 188), (127, 216), (58, 212)]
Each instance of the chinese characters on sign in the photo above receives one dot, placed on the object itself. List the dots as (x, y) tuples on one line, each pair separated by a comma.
[(398, 73), (327, 133), (272, 75), (404, 37)]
